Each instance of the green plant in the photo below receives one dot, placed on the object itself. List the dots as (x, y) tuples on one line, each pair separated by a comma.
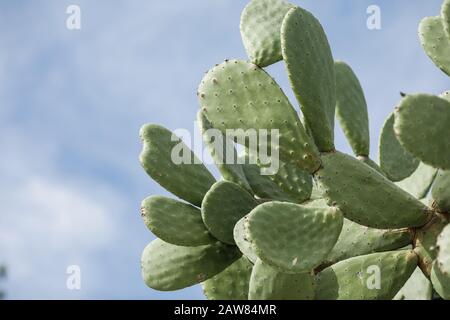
[(326, 225)]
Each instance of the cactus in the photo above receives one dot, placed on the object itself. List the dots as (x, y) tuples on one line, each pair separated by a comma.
[(324, 225)]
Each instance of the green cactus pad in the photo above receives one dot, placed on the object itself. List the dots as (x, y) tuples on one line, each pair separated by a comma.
[(351, 109), (167, 267), (419, 183), (441, 282), (445, 15), (294, 181), (293, 238), (230, 284), (263, 186), (222, 149), (421, 124), (366, 197), (242, 241), (418, 287), (440, 274), (260, 30), (370, 163), (356, 240), (188, 181), (355, 278), (310, 68), (267, 283), (290, 183), (443, 243), (240, 95), (395, 161), (175, 222), (435, 42), (425, 243), (441, 192), (223, 206)]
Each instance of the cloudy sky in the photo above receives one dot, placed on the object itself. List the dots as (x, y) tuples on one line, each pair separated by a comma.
[(72, 103)]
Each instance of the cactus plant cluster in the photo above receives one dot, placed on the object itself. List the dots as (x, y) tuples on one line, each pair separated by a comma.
[(326, 225)]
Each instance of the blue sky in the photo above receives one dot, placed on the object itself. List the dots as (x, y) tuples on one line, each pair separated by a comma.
[(72, 103)]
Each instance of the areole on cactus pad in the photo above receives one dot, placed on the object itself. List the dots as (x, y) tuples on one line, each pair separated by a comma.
[(324, 224)]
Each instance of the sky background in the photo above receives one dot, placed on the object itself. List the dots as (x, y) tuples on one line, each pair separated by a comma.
[(72, 103)]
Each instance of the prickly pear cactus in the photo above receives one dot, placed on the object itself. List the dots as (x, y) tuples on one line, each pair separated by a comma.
[(323, 224)]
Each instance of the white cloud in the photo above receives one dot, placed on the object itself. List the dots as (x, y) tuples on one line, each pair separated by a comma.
[(48, 224), (53, 210), (49, 220)]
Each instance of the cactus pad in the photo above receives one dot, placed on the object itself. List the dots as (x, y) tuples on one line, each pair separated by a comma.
[(267, 283), (168, 267), (264, 187), (294, 181), (293, 238), (175, 222), (395, 161), (418, 287), (443, 244), (260, 30), (310, 68), (189, 181), (435, 42), (240, 95), (230, 284), (441, 192), (422, 119), (441, 282), (290, 183), (223, 206), (351, 109), (243, 242), (356, 278), (445, 15), (419, 183), (440, 275), (221, 150), (365, 196), (356, 240)]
